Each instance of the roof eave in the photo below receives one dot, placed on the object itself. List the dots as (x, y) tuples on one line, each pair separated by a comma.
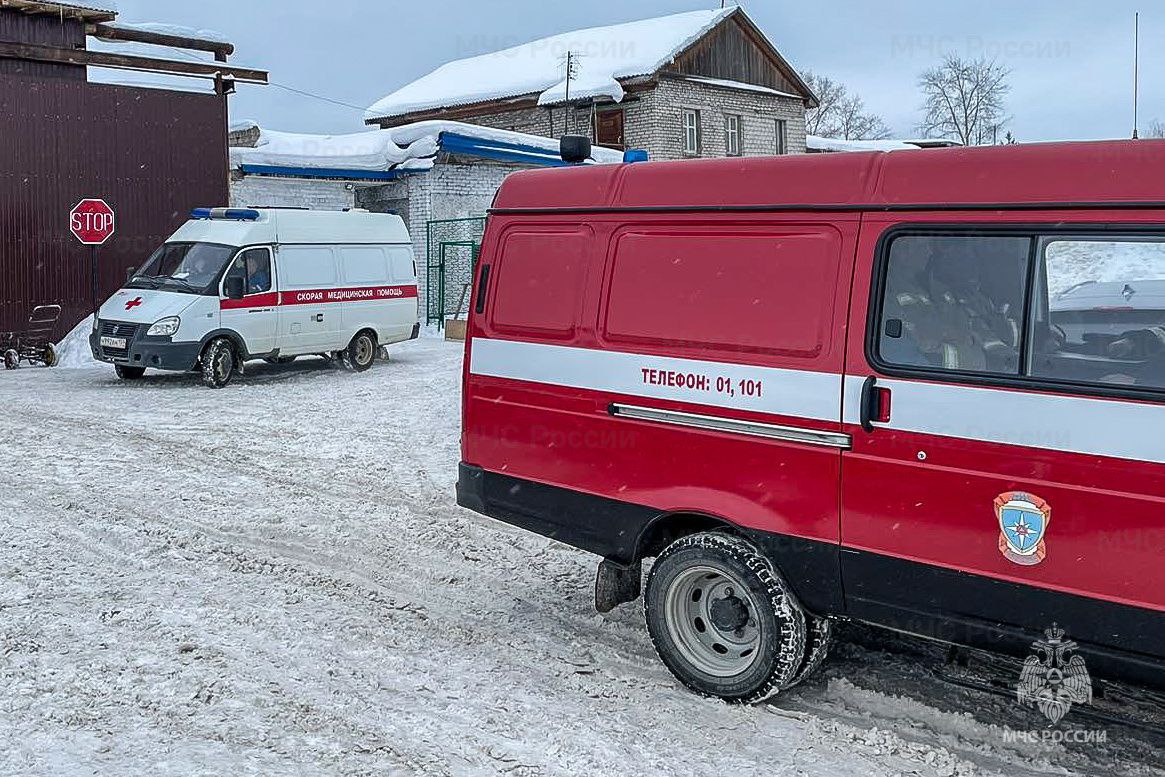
[(57, 9)]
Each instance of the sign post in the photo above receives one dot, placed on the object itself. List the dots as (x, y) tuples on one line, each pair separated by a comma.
[(93, 222)]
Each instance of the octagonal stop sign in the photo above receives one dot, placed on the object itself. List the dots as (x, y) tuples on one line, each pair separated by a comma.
[(92, 222)]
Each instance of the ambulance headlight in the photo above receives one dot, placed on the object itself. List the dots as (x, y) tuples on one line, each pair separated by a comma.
[(165, 328)]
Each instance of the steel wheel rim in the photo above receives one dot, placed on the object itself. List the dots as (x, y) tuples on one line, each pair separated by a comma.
[(702, 637), (364, 349)]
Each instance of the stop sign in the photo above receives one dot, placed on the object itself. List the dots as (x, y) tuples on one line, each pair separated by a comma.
[(92, 222)]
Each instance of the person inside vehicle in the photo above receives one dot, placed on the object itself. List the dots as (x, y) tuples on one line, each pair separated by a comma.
[(258, 272)]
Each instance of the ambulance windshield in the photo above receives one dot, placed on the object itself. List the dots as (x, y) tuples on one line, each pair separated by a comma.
[(190, 268)]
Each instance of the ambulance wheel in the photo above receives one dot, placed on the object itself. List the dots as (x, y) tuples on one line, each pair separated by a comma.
[(49, 356), (129, 373), (723, 620), (11, 359), (360, 353), (219, 363)]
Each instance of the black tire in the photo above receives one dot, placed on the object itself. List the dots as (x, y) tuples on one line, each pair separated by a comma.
[(818, 641), (129, 373), (219, 363), (760, 655), (360, 353), (11, 359)]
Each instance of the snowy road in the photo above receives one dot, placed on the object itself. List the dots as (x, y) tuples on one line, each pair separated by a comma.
[(274, 579)]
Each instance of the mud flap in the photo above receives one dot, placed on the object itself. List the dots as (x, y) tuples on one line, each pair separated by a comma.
[(617, 584)]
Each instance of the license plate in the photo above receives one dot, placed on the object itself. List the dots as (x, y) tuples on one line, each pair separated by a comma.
[(113, 342)]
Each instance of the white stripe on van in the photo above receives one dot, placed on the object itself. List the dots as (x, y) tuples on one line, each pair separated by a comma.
[(794, 393), (1091, 426)]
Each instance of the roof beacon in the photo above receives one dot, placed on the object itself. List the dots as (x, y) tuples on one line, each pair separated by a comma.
[(633, 155), (229, 214)]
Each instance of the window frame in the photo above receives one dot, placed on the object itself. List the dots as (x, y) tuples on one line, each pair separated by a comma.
[(1035, 231), (243, 251), (731, 132), (697, 135), (781, 139)]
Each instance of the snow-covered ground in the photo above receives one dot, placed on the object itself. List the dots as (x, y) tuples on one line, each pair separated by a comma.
[(274, 579)]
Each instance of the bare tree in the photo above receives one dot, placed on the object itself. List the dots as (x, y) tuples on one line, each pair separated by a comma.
[(963, 100), (1156, 129), (841, 114)]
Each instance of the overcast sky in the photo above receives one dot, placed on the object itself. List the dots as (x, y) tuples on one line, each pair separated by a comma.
[(1071, 59)]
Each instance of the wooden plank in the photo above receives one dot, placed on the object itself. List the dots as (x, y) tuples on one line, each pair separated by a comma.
[(10, 50), (105, 32), (56, 9)]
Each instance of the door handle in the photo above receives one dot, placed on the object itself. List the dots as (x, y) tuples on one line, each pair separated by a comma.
[(875, 404)]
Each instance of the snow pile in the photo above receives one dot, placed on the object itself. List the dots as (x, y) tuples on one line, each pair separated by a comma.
[(815, 143), (109, 6), (73, 351), (408, 147), (174, 30), (604, 54)]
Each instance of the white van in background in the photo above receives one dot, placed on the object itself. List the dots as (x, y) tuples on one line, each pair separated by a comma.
[(234, 284)]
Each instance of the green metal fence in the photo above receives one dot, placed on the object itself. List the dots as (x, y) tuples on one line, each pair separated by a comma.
[(452, 247)]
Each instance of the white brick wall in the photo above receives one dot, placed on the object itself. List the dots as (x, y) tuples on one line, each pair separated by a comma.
[(259, 191)]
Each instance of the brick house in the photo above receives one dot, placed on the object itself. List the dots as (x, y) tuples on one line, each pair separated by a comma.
[(698, 84)]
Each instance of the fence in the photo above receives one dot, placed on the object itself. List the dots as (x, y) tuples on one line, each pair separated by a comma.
[(452, 247)]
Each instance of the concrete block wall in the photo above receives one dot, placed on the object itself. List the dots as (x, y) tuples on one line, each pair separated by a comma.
[(268, 191)]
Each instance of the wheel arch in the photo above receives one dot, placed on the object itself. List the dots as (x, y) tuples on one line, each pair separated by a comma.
[(230, 334), (668, 527)]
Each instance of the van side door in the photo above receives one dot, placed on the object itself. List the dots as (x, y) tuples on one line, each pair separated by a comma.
[(309, 316), (1004, 390), (679, 364), (255, 316)]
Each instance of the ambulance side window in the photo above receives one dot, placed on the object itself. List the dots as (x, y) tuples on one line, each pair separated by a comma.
[(955, 303), (254, 267), (1100, 312)]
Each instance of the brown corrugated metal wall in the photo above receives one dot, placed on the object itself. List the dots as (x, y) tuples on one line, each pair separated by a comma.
[(153, 155)]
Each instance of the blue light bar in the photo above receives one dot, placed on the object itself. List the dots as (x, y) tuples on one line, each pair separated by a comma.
[(632, 155), (229, 214)]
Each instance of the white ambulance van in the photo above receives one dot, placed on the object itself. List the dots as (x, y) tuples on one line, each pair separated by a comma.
[(236, 284)]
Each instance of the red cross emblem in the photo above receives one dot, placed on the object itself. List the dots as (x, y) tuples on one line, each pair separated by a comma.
[(133, 303)]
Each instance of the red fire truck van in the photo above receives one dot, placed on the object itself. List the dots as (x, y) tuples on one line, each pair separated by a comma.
[(921, 390)]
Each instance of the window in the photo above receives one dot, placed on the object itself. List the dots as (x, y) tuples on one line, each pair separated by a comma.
[(1094, 317), (254, 267), (1103, 314), (403, 265), (307, 267), (692, 137), (189, 268), (732, 135), (955, 303), (364, 264), (538, 283), (672, 289), (782, 137), (609, 129)]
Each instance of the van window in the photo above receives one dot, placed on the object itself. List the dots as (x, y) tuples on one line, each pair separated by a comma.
[(955, 303), (307, 267), (403, 267), (767, 293), (540, 278), (364, 264), (1102, 312), (254, 267)]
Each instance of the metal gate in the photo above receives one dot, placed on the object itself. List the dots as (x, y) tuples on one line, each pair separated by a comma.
[(452, 249)]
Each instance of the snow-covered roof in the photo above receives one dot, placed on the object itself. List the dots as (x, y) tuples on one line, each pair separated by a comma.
[(408, 148), (97, 6), (604, 55), (815, 143)]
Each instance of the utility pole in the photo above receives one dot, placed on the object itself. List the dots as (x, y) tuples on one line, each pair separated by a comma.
[(1136, 74)]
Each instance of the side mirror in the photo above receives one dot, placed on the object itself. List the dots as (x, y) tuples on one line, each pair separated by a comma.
[(574, 149), (235, 287)]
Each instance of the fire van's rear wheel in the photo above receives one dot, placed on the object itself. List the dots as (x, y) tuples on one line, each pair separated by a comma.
[(360, 353), (129, 373), (723, 620), (219, 363)]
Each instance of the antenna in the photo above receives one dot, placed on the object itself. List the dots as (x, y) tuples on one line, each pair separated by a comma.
[(1136, 73)]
